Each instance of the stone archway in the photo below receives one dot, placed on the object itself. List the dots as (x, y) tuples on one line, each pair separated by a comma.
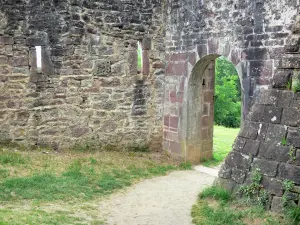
[(198, 111)]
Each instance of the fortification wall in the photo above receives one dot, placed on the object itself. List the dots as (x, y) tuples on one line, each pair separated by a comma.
[(89, 88)]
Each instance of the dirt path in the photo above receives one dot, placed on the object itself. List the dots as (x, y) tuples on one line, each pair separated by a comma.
[(159, 201)]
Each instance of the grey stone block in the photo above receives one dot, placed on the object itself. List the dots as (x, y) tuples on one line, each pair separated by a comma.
[(273, 185), (238, 175), (285, 98), (238, 160), (274, 151), (277, 205), (272, 115), (249, 130), (276, 133), (257, 113), (251, 147), (239, 144), (293, 137), (291, 117), (291, 172), (268, 97), (225, 171), (268, 168)]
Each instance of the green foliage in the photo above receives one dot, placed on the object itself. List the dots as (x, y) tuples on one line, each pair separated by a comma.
[(139, 53), (76, 182), (36, 217), (227, 95), (294, 215), (186, 166), (254, 192), (287, 185), (296, 85), (12, 158), (215, 192), (292, 153), (283, 142), (203, 214)]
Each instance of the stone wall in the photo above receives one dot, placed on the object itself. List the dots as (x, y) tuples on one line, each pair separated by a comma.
[(89, 88), (270, 137), (251, 34)]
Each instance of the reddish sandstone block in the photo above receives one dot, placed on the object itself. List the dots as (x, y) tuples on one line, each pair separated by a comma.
[(174, 121), (176, 57)]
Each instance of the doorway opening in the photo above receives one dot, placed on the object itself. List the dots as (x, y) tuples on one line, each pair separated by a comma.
[(214, 104)]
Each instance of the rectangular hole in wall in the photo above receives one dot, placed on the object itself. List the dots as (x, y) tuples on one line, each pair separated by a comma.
[(38, 50)]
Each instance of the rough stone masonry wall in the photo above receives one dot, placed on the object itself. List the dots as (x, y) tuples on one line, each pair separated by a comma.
[(251, 34), (89, 88), (270, 137)]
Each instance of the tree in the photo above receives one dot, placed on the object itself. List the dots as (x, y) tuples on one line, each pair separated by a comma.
[(227, 95)]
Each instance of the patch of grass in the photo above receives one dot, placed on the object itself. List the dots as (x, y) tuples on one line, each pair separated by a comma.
[(83, 179), (217, 207), (12, 158), (4, 173), (294, 215), (203, 214), (13, 217), (186, 166), (50, 181), (216, 193), (223, 140)]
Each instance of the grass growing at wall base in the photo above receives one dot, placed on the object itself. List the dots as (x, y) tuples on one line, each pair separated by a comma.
[(217, 206)]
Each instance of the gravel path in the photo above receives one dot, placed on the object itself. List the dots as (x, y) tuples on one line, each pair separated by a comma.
[(159, 201)]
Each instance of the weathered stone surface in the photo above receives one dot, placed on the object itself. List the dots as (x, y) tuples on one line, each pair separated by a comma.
[(249, 130), (282, 78), (291, 172), (276, 133), (238, 175), (277, 204), (272, 115), (291, 117), (268, 97), (238, 160), (239, 144), (273, 185), (285, 98), (293, 137), (268, 168), (251, 147), (225, 171), (257, 113), (274, 151)]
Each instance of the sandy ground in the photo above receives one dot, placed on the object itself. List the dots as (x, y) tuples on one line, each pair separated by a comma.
[(159, 201)]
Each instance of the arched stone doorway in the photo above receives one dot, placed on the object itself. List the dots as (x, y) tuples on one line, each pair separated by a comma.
[(198, 113)]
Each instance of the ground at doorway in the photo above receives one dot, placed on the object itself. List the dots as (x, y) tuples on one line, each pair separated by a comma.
[(223, 139)]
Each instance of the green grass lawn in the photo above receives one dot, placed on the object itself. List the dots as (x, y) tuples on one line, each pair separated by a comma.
[(39, 188), (223, 140)]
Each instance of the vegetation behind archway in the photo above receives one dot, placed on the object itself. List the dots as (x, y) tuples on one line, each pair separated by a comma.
[(227, 94)]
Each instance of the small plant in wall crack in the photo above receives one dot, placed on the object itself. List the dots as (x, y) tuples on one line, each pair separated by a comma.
[(292, 153), (254, 192), (287, 185), (284, 142)]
